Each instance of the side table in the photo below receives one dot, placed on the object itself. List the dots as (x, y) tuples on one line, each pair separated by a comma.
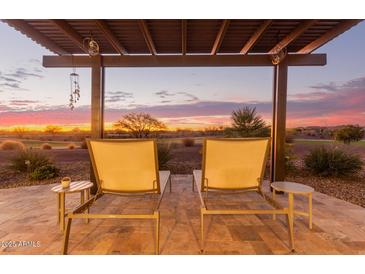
[(78, 186), (294, 188)]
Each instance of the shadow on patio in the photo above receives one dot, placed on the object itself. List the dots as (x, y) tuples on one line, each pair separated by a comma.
[(29, 214)]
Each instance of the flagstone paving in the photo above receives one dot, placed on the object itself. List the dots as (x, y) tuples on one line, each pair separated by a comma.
[(29, 214)]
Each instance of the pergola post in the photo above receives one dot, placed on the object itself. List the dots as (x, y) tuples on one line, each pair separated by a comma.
[(97, 104), (279, 122)]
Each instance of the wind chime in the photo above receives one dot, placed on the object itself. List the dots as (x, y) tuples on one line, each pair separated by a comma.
[(93, 49), (278, 55), (75, 88), (91, 45)]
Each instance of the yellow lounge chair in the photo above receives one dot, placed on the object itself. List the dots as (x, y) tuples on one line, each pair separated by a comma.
[(235, 165), (125, 167)]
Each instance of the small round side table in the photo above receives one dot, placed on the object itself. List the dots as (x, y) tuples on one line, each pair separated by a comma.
[(78, 186), (294, 188)]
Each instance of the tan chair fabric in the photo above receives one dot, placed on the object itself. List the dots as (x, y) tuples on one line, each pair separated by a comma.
[(234, 163), (125, 165)]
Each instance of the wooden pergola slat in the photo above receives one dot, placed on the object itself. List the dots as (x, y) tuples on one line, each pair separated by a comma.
[(331, 34), (220, 36), (109, 35), (37, 36), (184, 38), (147, 36), (70, 33), (255, 37), (292, 36)]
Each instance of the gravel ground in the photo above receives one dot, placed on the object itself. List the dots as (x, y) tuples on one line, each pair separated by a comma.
[(79, 170), (76, 164)]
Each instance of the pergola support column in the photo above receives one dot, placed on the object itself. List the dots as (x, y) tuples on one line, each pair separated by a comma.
[(279, 122), (97, 104)]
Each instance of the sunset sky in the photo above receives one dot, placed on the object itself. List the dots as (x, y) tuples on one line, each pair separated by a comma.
[(31, 95)]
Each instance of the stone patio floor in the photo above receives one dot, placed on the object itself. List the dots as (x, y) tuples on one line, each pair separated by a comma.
[(29, 214)]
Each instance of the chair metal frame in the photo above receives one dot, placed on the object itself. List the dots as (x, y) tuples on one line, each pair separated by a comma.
[(78, 212), (203, 187)]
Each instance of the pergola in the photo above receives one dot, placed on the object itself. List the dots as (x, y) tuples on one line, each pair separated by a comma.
[(187, 43)]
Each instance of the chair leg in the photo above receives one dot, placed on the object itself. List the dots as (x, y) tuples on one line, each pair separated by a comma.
[(157, 232), (58, 208), (273, 198), (310, 210), (170, 181), (66, 236), (62, 211), (291, 220), (202, 229), (193, 184)]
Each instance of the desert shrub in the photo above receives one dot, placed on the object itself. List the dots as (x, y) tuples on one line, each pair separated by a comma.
[(29, 160), (71, 146), (289, 158), (247, 123), (44, 172), (83, 144), (188, 142), (332, 162), (46, 146), (350, 133), (12, 145), (289, 138), (164, 155)]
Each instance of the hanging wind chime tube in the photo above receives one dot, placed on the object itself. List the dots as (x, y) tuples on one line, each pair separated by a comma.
[(93, 49), (75, 88)]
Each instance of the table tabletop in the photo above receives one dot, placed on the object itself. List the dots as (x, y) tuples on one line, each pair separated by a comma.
[(74, 187), (292, 187)]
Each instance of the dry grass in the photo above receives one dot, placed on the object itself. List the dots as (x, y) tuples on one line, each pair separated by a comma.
[(83, 145), (46, 146), (71, 146), (188, 142), (12, 145)]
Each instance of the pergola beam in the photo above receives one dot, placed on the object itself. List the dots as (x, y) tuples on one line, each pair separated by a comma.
[(331, 34), (35, 35), (220, 36), (147, 36), (70, 33), (255, 37), (292, 36), (109, 35), (184, 36), (184, 60)]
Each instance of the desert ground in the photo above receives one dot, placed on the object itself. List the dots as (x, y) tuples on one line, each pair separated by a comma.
[(75, 163)]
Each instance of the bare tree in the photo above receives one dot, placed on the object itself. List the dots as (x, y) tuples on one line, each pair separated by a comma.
[(140, 125), (20, 131), (51, 129)]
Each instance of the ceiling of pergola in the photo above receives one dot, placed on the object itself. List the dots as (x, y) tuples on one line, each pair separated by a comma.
[(178, 36)]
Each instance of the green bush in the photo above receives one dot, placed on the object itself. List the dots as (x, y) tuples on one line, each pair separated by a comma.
[(289, 158), (164, 155), (247, 123), (350, 133), (188, 142), (29, 160), (332, 162), (44, 172)]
